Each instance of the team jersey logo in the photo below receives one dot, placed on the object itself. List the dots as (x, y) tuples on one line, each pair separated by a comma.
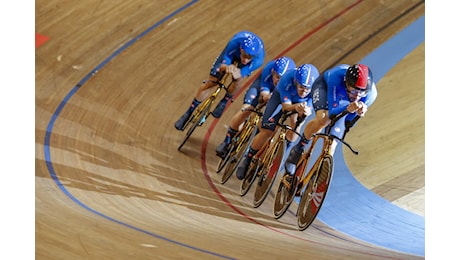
[(315, 96)]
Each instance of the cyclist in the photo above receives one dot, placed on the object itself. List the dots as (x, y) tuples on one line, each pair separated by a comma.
[(291, 94), (339, 88), (259, 92), (246, 50)]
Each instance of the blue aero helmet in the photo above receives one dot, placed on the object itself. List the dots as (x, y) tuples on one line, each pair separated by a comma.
[(251, 45), (282, 64), (306, 74)]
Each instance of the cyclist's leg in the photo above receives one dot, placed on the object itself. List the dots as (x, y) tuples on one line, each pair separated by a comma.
[(320, 106), (262, 137), (272, 114), (250, 101), (338, 129), (321, 119), (243, 167), (291, 137), (217, 113), (222, 149), (296, 151)]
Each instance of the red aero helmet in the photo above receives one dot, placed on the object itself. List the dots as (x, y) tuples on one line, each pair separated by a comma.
[(359, 76)]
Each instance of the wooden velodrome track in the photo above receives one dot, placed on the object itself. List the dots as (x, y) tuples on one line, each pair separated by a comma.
[(110, 182)]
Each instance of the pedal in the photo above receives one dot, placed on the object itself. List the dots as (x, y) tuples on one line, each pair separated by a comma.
[(286, 181)]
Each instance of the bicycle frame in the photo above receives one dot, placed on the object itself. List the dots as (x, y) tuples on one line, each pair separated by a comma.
[(203, 111), (328, 142), (272, 158), (288, 189), (240, 142), (316, 182)]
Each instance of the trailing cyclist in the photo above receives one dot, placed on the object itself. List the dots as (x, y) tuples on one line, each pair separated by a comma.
[(246, 50)]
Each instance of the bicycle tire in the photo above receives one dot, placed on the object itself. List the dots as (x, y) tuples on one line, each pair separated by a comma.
[(239, 149), (268, 173), (235, 146), (284, 195), (223, 161), (314, 195), (196, 120), (283, 198), (235, 160), (249, 178)]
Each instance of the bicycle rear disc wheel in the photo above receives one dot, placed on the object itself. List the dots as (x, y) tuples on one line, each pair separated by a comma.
[(268, 172), (315, 194)]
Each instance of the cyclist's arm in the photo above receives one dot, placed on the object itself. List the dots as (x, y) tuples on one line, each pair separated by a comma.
[(302, 108), (264, 97), (366, 101), (253, 65), (285, 97)]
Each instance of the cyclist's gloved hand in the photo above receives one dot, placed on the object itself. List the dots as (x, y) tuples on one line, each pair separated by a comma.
[(236, 73), (222, 67), (264, 97), (353, 106), (303, 109), (362, 109)]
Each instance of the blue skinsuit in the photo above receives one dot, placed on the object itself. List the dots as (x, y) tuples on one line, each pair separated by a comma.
[(263, 83), (329, 92), (232, 54)]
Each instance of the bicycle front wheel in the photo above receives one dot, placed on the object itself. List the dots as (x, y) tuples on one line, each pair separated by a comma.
[(233, 161), (248, 180), (236, 150), (223, 161), (284, 197), (270, 166), (286, 191), (197, 119), (314, 195)]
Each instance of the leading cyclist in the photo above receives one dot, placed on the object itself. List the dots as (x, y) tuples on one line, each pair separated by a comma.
[(339, 88)]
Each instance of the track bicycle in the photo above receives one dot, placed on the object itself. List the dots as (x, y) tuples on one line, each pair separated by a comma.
[(266, 163), (240, 143), (315, 181), (202, 112)]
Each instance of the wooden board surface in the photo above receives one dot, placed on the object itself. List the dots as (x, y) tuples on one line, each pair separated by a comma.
[(123, 191)]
